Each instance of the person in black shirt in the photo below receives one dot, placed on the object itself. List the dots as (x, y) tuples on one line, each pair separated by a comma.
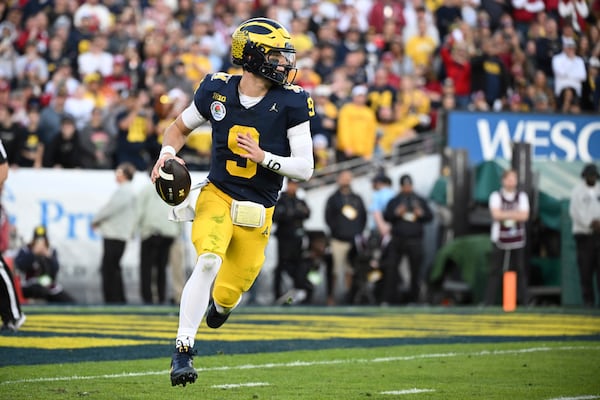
[(346, 217), (289, 215), (407, 212)]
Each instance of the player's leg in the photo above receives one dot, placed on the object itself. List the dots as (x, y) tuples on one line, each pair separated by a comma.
[(243, 261), (211, 233)]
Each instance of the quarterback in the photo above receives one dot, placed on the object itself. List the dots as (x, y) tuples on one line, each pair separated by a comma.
[(260, 133)]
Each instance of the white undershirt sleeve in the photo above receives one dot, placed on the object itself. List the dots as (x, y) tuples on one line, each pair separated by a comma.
[(191, 117), (300, 164)]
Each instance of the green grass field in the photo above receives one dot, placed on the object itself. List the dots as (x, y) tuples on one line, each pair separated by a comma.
[(307, 353)]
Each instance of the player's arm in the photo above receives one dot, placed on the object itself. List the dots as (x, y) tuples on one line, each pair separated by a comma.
[(299, 165), (176, 135)]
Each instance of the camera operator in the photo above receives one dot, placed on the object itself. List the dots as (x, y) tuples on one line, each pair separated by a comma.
[(38, 262)]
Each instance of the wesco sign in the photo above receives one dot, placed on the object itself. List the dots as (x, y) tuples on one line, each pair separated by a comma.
[(487, 136)]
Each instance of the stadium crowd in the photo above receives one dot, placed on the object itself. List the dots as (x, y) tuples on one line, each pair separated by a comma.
[(92, 84)]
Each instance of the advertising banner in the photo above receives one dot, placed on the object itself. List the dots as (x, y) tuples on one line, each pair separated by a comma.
[(488, 135), (65, 201)]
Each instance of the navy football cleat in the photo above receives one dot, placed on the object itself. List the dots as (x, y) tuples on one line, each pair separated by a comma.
[(213, 318), (182, 366)]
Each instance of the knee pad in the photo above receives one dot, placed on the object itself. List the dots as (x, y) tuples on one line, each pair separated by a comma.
[(209, 263), (226, 297)]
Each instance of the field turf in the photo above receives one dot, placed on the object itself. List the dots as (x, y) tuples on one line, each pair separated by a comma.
[(307, 353)]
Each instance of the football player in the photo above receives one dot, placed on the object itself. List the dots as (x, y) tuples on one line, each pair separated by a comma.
[(260, 133)]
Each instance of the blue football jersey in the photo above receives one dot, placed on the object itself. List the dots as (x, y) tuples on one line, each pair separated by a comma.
[(283, 107)]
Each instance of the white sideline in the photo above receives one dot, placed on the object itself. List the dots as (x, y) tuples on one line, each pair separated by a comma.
[(311, 363), (237, 385), (408, 391), (576, 398)]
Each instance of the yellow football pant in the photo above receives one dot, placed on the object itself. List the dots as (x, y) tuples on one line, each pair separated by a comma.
[(241, 248)]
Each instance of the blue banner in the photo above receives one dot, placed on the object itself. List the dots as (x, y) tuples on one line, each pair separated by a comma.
[(488, 135)]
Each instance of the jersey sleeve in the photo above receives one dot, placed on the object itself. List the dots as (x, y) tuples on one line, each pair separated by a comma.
[(302, 106)]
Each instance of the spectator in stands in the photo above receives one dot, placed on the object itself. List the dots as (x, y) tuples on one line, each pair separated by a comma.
[(591, 87), (301, 39), (524, 13), (196, 64), (79, 106), (8, 53), (306, 77), (115, 223), (386, 10), (356, 128), (446, 16), (541, 89), (413, 107), (96, 59), (55, 53), (64, 150), (31, 146), (574, 13), (569, 74), (421, 46), (381, 93), (490, 75), (421, 16), (51, 115), (509, 208), (98, 145), (407, 213), (31, 67), (396, 62), (346, 217), (178, 79), (355, 67), (325, 121), (457, 65), (95, 11), (325, 61), (391, 131), (38, 262), (119, 80), (584, 209), (101, 94), (352, 41), (62, 78), (547, 46), (35, 30), (11, 134), (135, 131)]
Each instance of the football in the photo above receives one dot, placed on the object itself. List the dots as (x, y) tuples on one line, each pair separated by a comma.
[(174, 182)]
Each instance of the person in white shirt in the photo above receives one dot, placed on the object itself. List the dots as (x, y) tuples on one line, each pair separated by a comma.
[(509, 208), (569, 75), (584, 209), (96, 59)]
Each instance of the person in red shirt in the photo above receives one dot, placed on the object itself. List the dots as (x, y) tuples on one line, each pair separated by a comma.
[(457, 65)]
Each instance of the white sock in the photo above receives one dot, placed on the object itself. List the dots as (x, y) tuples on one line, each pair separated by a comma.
[(195, 296)]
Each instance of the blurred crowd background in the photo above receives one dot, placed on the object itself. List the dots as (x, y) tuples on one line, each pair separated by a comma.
[(92, 84)]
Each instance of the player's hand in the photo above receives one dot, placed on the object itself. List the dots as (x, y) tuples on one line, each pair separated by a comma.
[(160, 162), (253, 151)]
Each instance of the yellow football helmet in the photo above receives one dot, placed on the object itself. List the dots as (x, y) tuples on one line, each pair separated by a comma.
[(262, 46)]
